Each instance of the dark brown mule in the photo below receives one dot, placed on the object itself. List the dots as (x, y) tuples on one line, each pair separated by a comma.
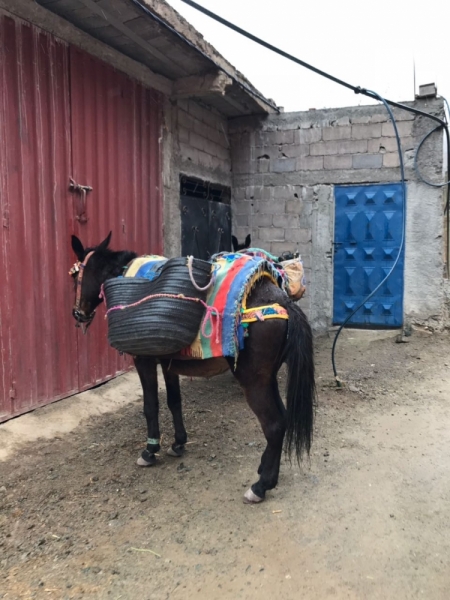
[(269, 344)]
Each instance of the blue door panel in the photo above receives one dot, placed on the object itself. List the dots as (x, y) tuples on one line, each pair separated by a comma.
[(368, 234)]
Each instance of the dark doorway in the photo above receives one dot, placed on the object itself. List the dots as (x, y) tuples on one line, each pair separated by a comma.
[(205, 218)]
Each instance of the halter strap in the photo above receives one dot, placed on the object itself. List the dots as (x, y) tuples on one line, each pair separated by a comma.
[(80, 279)]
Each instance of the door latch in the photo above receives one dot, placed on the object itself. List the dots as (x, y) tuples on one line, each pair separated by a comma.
[(82, 191)]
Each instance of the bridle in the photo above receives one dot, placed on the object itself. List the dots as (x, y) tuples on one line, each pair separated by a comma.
[(78, 268)]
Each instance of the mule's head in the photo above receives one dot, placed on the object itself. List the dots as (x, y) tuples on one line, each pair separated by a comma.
[(237, 246), (94, 266)]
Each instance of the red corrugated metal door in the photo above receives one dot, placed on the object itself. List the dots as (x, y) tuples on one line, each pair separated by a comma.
[(116, 129), (38, 346), (65, 114)]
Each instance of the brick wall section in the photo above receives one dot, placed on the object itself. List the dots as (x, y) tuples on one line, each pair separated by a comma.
[(275, 158), (203, 144), (282, 164)]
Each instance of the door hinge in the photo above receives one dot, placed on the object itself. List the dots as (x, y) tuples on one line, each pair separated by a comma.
[(6, 219), (12, 392)]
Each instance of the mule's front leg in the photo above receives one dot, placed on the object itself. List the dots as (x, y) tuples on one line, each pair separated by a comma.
[(174, 404), (146, 368)]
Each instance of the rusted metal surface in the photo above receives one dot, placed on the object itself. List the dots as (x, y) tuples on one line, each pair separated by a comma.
[(116, 131), (64, 114), (41, 353)]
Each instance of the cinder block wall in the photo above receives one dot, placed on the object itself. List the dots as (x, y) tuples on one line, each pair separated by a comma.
[(284, 171), (196, 144)]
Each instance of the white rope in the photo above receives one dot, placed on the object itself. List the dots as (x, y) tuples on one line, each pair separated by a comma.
[(191, 275)]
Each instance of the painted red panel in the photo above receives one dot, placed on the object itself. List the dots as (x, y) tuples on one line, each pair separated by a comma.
[(41, 358), (62, 114), (116, 130)]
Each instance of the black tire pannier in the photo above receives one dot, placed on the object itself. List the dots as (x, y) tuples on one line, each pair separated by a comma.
[(157, 326)]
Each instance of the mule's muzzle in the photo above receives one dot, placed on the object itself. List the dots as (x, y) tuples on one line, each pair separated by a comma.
[(81, 317)]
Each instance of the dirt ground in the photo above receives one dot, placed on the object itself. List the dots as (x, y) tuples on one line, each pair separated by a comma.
[(366, 517)]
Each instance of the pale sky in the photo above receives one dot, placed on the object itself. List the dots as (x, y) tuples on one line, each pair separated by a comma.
[(371, 44)]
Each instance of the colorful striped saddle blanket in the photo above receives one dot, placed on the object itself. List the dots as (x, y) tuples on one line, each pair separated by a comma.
[(223, 329)]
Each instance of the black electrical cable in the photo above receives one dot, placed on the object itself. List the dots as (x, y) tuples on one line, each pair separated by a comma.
[(261, 42), (197, 49), (416, 166), (402, 243)]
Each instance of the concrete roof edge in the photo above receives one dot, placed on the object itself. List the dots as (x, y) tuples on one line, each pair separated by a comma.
[(177, 22)]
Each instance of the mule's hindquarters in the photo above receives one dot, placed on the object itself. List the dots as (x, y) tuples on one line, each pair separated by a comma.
[(269, 345)]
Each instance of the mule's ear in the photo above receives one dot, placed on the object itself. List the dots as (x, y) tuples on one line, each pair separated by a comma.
[(105, 242), (248, 241), (77, 247), (234, 242)]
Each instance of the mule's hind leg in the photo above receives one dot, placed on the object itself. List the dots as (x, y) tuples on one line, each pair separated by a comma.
[(282, 409), (262, 398), (146, 368), (174, 404)]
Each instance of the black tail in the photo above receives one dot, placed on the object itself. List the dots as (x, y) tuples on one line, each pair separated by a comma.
[(301, 388)]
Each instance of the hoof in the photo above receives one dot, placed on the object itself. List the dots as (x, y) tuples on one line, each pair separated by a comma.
[(149, 461), (175, 451), (251, 498)]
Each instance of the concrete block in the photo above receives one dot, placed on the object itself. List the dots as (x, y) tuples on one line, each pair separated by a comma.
[(379, 118), (185, 120), (404, 128), (241, 220), (337, 133), (391, 159), (187, 152), (204, 159), (343, 121), (324, 148), (367, 161), (352, 146), (238, 193), (294, 150), (271, 234), (310, 163), (196, 110), (365, 132), (263, 220), (201, 128), (294, 207), (242, 167), (284, 137), (282, 191), (271, 207), (197, 141), (283, 165), (383, 144), (360, 119), (278, 248), (343, 161), (273, 138), (286, 221), (307, 136), (263, 166), (299, 236), (183, 135), (265, 152)]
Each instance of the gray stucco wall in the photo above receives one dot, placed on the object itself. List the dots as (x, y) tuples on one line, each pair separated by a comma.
[(285, 168)]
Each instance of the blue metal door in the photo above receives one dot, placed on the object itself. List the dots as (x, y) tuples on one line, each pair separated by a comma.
[(368, 234)]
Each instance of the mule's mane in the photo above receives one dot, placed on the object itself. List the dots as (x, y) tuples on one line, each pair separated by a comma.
[(112, 255)]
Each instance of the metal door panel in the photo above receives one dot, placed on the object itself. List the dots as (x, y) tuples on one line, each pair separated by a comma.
[(38, 338), (195, 227), (368, 233), (219, 227), (116, 130)]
